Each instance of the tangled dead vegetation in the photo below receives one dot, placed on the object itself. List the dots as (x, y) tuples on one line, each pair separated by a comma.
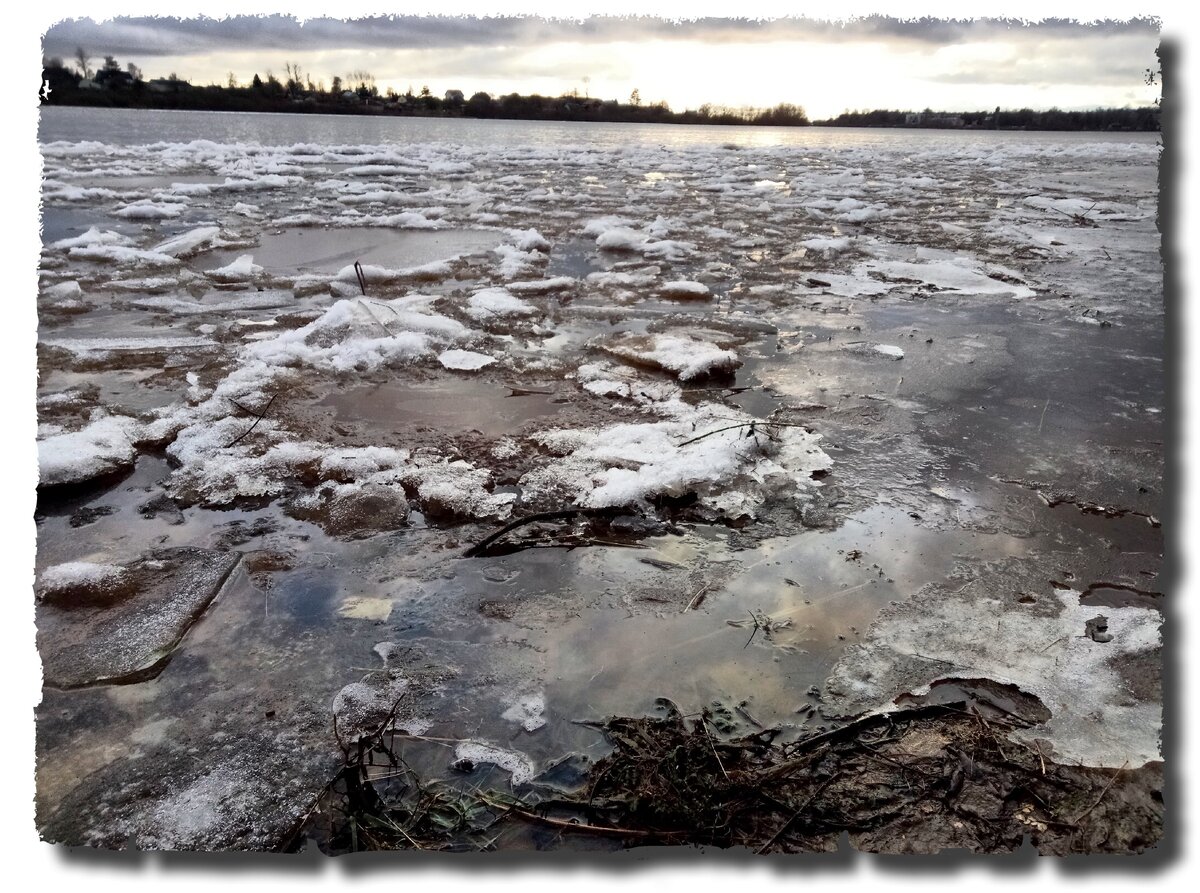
[(917, 780)]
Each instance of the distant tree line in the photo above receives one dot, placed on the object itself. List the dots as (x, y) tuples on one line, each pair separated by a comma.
[(357, 93), (1146, 118)]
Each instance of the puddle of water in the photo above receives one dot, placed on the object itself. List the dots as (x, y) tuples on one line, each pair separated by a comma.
[(65, 222), (1116, 596), (451, 404), (578, 258), (121, 390), (312, 250)]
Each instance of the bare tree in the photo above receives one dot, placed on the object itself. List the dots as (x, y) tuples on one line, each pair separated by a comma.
[(84, 61), (134, 71)]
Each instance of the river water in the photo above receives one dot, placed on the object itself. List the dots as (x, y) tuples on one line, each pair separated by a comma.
[(1016, 275)]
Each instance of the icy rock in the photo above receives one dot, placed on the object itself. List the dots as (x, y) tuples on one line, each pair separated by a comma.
[(132, 638), (366, 510)]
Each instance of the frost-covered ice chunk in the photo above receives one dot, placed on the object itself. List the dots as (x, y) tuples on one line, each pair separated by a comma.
[(218, 302), (526, 711), (698, 452), (151, 210), (372, 273), (364, 334), (122, 254), (92, 238), (612, 380), (79, 575), (620, 238), (361, 708), (240, 270), (187, 243), (98, 347), (686, 357), (457, 490), (64, 291), (515, 763), (542, 286), (529, 240), (103, 446), (829, 245), (888, 350), (467, 360), (957, 275), (494, 302), (682, 288), (515, 262)]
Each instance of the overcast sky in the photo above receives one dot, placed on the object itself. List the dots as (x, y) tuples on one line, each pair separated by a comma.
[(825, 67)]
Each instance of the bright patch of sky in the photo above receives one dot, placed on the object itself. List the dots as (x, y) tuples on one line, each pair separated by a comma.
[(878, 63)]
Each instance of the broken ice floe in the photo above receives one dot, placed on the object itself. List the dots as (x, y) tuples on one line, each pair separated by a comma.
[(149, 606), (103, 446), (686, 357), (731, 469), (526, 710), (465, 360), (973, 632)]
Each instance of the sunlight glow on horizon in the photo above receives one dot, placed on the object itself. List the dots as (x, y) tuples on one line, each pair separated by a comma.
[(824, 78)]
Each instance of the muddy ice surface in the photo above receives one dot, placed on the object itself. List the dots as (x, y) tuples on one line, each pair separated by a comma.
[(844, 425)]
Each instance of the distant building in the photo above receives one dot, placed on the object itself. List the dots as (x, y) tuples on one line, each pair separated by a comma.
[(350, 96), (113, 78), (455, 97), (166, 85)]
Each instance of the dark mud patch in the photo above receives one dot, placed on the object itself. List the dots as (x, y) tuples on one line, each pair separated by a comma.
[(986, 696), (1117, 595)]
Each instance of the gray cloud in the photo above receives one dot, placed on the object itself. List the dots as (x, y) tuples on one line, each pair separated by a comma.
[(143, 37)]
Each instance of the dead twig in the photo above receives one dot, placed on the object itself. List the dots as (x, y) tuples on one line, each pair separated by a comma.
[(480, 547), (1111, 782), (578, 826), (362, 277), (799, 812), (246, 433), (753, 425)]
